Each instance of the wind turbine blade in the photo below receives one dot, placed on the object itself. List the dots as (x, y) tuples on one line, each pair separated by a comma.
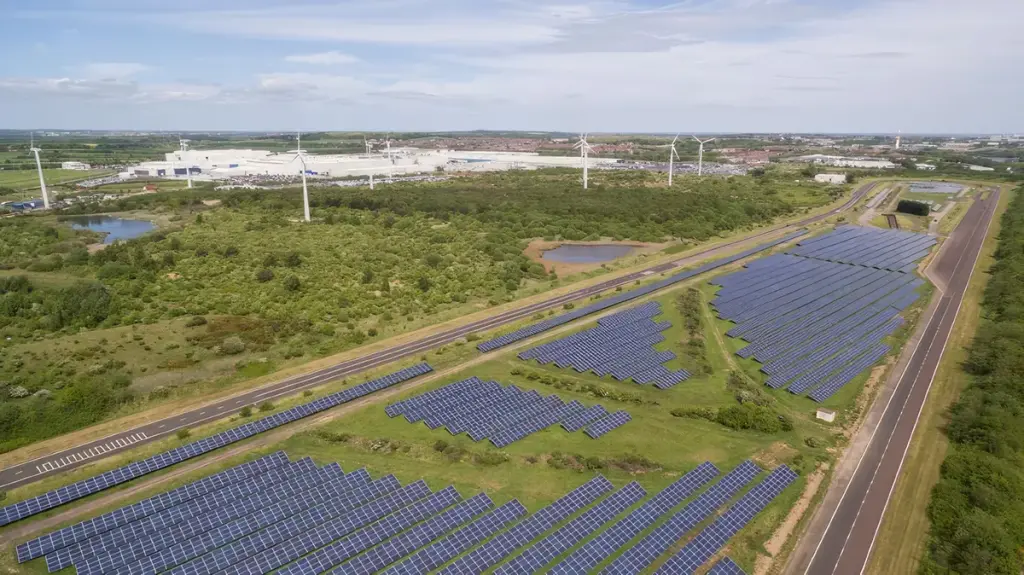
[(674, 140)]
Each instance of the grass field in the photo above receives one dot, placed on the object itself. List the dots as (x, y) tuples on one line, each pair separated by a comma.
[(29, 179), (902, 537)]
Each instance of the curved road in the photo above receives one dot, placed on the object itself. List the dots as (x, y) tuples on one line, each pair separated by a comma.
[(844, 546), (39, 468)]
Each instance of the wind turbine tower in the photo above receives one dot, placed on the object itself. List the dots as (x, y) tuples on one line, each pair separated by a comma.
[(898, 134), (184, 147), (367, 144), (39, 168), (672, 156), (584, 154), (700, 154), (305, 191)]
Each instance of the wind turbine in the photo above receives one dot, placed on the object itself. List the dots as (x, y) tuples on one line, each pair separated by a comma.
[(302, 160), (184, 146), (584, 153), (898, 134), (391, 160), (39, 167), (672, 155), (700, 154), (367, 144)]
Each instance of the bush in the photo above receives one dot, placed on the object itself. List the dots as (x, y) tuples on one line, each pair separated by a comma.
[(751, 417), (913, 207), (246, 411), (264, 276), (490, 458), (183, 434), (291, 283), (267, 406), (195, 321), (232, 346)]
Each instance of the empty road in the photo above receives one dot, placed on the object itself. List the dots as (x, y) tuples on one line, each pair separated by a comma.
[(39, 468)]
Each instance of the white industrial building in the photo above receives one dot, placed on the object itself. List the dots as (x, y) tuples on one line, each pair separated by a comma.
[(224, 164), (830, 178), (844, 162), (75, 166)]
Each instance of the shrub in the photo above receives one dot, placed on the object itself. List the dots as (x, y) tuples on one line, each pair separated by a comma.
[(490, 458), (440, 445), (246, 411), (913, 207), (232, 346), (264, 276), (267, 406), (183, 434), (291, 283), (195, 321)]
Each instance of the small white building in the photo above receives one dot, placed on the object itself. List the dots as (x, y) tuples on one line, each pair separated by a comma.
[(927, 167), (74, 166), (826, 415), (830, 178), (975, 168)]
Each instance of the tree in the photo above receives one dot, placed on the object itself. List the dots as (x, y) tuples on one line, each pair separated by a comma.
[(423, 283), (263, 276), (851, 177), (385, 286), (432, 260), (291, 283), (293, 260), (367, 275)]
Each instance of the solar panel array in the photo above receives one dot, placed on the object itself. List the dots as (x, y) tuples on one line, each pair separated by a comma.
[(815, 324), (502, 414), (726, 567), (631, 295), (622, 345), (707, 543), (273, 514), (121, 475)]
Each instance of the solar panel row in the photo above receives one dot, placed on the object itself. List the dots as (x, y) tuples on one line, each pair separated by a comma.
[(108, 479), (707, 543), (653, 545), (621, 345), (812, 313), (614, 300), (500, 547), (593, 552), (70, 535), (502, 414), (725, 567), (326, 520)]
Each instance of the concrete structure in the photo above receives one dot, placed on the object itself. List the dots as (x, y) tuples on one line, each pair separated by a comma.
[(826, 415), (975, 168), (844, 162), (830, 178), (927, 167), (74, 166), (224, 164)]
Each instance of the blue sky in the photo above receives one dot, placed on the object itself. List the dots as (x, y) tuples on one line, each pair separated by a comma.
[(607, 65)]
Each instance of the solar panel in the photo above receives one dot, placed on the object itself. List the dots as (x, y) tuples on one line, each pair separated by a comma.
[(725, 567), (569, 535), (460, 541), (70, 535), (606, 424), (124, 474), (647, 550), (503, 545), (339, 551), (332, 530), (401, 545), (592, 553), (713, 537)]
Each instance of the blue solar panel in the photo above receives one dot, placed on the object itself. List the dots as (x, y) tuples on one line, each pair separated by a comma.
[(618, 535), (569, 535), (500, 547), (606, 424), (725, 567), (713, 537), (129, 472)]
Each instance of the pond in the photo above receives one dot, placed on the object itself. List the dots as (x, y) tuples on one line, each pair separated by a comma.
[(114, 228), (586, 254)]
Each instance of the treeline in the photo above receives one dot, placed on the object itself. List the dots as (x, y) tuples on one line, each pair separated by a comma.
[(913, 207), (977, 507)]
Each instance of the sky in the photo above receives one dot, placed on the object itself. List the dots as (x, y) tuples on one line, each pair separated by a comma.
[(708, 66)]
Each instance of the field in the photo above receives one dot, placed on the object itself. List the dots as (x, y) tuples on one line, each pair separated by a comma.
[(24, 184)]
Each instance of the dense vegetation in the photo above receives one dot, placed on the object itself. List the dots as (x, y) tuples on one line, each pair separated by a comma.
[(977, 508), (913, 207), (252, 285)]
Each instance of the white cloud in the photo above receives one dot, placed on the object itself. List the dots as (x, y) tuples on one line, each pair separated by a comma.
[(112, 70), (323, 58)]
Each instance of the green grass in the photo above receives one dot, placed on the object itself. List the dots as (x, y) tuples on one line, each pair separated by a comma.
[(29, 179)]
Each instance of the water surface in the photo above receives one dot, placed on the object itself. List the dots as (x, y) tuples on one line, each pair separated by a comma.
[(114, 228), (584, 254)]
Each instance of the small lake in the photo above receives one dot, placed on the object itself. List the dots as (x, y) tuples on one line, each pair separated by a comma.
[(582, 254), (114, 228)]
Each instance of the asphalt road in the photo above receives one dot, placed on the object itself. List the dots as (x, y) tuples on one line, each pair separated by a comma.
[(845, 546), (92, 451)]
